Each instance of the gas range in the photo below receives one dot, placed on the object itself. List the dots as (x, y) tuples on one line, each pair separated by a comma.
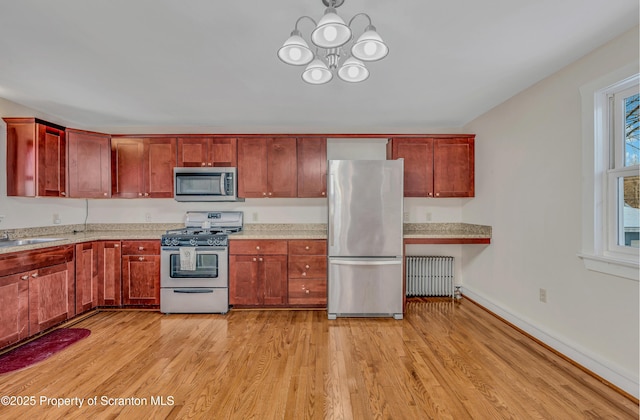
[(205, 229)]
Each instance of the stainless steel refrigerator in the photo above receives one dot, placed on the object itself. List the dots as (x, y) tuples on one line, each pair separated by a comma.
[(365, 238)]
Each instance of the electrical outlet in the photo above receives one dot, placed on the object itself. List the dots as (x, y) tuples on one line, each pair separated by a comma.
[(543, 295), (406, 216), (255, 216), (56, 219), (427, 216), (147, 217), (1, 217)]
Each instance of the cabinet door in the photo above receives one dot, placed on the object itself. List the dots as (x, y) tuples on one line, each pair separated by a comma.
[(454, 167), (418, 165), (193, 151), (224, 152), (312, 167), (21, 157), (109, 278), (127, 163), (141, 280), (282, 167), (243, 280), (14, 308), (52, 167), (51, 296), (274, 279), (160, 159), (89, 165), (86, 276), (252, 167)]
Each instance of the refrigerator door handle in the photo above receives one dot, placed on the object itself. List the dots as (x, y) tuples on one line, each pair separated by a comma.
[(394, 261)]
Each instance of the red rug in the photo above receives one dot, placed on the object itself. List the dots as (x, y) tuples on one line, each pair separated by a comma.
[(41, 348)]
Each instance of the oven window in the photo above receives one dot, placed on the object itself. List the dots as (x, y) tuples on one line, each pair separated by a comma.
[(206, 267)]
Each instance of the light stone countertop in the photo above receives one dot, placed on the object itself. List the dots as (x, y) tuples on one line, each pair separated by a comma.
[(73, 234)]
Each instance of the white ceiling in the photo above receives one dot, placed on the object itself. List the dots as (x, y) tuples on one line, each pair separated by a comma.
[(211, 66)]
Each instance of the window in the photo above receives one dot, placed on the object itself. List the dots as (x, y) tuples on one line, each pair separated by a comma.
[(623, 176), (611, 173)]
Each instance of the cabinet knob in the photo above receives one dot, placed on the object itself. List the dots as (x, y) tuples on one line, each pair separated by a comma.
[(269, 193), (306, 266), (141, 258), (116, 245), (306, 247), (258, 247), (259, 259), (430, 194), (203, 164), (264, 193), (26, 277), (323, 193), (437, 194), (210, 164), (34, 275), (139, 194), (105, 194), (146, 194), (307, 291), (140, 248), (304, 273), (255, 259), (62, 193)]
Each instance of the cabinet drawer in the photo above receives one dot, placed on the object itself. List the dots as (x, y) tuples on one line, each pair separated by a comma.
[(307, 292), (308, 247), (302, 266), (140, 247), (257, 247)]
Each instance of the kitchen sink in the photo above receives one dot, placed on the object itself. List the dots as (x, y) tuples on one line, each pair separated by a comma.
[(27, 241)]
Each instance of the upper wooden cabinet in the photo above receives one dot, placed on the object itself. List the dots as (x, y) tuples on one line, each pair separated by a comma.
[(312, 167), (267, 167), (36, 158), (142, 167), (207, 151), (89, 164), (440, 166)]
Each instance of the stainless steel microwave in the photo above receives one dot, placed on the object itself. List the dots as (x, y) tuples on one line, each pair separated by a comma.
[(205, 184)]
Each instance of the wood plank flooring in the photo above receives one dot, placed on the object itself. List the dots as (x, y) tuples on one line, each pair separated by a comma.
[(445, 360)]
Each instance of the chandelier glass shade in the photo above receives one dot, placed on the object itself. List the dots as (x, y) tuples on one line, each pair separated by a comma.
[(335, 50)]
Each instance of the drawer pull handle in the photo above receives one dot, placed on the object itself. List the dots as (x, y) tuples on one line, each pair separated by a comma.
[(24, 277)]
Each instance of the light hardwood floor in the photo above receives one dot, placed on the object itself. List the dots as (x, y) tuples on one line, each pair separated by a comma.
[(444, 360)]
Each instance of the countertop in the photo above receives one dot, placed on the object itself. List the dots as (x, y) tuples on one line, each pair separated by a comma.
[(73, 234)]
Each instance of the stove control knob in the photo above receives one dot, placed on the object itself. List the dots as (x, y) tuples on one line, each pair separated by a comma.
[(211, 241), (192, 242), (175, 241)]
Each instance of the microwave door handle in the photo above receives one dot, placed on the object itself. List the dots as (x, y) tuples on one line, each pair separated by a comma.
[(223, 190)]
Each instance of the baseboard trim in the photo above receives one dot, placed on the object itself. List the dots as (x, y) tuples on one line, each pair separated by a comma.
[(615, 379)]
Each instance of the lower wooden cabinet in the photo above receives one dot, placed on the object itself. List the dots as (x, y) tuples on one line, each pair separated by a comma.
[(36, 291), (86, 264), (141, 273), (109, 273), (278, 273), (14, 308), (308, 272), (258, 273)]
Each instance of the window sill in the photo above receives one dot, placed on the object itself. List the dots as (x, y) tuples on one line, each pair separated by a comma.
[(625, 268)]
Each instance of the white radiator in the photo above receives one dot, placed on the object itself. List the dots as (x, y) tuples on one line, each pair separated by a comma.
[(429, 276)]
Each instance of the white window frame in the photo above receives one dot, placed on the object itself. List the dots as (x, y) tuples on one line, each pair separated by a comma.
[(600, 249)]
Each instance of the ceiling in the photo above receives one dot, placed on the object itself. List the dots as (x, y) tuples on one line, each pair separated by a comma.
[(211, 66)]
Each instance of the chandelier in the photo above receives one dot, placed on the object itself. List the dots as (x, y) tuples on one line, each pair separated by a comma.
[(331, 37)]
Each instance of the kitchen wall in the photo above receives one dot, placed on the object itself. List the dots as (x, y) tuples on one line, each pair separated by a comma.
[(528, 187)]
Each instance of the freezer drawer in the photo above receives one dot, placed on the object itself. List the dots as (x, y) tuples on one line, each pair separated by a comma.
[(365, 287), (194, 300)]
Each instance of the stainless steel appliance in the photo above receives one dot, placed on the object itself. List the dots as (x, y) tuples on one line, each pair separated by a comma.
[(194, 263), (205, 184), (365, 238)]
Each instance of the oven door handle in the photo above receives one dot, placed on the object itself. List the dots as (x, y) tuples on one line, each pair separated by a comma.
[(192, 291)]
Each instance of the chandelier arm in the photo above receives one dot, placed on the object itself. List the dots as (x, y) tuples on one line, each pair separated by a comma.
[(308, 17), (360, 14)]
